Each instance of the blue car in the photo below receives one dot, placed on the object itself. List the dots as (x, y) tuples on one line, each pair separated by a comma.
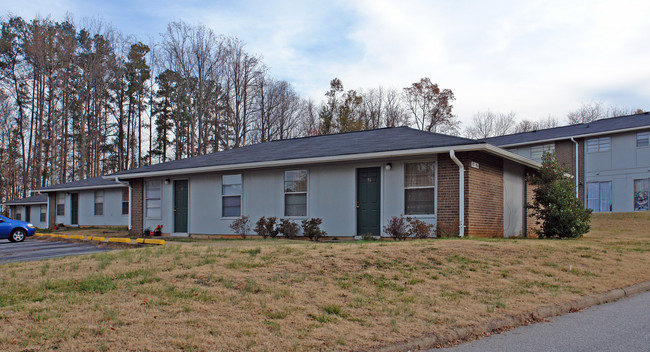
[(15, 230)]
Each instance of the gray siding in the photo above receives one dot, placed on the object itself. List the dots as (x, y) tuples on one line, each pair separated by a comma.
[(35, 215), (112, 209), (621, 165), (331, 196), (513, 199)]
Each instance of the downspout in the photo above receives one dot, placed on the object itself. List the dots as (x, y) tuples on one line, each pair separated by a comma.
[(577, 180), (117, 179), (461, 193)]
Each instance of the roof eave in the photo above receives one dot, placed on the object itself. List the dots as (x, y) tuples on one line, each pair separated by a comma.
[(82, 188), (328, 159), (584, 135)]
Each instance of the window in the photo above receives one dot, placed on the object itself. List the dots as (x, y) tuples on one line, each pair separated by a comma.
[(19, 215), (153, 191), (602, 144), (641, 192), (60, 204), (99, 202), (231, 195), (599, 196), (295, 193), (537, 151), (419, 188), (643, 139), (125, 201), (43, 213)]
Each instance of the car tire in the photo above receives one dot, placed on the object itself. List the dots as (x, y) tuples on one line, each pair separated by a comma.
[(18, 235)]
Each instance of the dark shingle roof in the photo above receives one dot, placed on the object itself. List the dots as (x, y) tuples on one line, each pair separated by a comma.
[(39, 199), (361, 142), (599, 126), (94, 182)]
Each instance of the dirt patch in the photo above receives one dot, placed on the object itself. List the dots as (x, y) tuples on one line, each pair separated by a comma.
[(279, 295)]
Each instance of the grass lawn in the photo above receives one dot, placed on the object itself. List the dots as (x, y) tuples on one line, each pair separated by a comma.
[(280, 295)]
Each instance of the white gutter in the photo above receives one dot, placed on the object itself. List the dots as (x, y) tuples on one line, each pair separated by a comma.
[(337, 158), (576, 143), (117, 179), (585, 135), (461, 194)]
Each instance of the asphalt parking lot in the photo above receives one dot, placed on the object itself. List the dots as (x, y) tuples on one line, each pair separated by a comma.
[(36, 249)]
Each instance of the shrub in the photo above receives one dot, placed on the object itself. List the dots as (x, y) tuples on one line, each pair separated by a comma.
[(367, 237), (265, 227), (311, 229), (419, 228), (397, 228), (288, 228), (447, 229), (241, 226), (555, 206)]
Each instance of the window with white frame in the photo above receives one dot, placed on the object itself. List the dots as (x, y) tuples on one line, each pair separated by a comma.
[(602, 144), (599, 196), (231, 191), (153, 191), (43, 213), (536, 152), (125, 201), (60, 204), (641, 193), (99, 202), (643, 139), (419, 188), (19, 215), (295, 193)]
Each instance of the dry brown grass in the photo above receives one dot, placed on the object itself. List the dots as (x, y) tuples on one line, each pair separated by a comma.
[(304, 296)]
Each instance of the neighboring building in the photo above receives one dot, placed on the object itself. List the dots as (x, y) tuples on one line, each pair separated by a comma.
[(31, 209), (354, 181), (90, 202), (612, 157)]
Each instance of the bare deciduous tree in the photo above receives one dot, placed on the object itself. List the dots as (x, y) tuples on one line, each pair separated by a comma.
[(489, 124)]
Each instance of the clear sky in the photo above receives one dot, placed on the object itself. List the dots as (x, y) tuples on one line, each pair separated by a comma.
[(536, 58)]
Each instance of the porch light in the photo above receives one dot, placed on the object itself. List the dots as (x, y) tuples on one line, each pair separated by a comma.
[(388, 166)]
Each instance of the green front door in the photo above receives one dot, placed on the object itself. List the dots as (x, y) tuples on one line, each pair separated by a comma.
[(28, 213), (368, 202), (180, 206), (74, 211)]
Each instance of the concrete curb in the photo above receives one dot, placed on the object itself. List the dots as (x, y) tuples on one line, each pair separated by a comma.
[(509, 321)]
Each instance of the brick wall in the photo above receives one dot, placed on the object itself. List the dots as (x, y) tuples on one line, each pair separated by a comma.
[(447, 193), (566, 155), (51, 216), (530, 225), (483, 195), (137, 206)]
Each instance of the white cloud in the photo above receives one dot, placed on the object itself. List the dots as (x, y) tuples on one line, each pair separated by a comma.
[(533, 57)]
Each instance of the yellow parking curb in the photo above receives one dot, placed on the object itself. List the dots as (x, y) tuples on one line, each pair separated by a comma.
[(77, 237), (161, 242), (120, 240), (150, 241), (41, 234), (95, 238)]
